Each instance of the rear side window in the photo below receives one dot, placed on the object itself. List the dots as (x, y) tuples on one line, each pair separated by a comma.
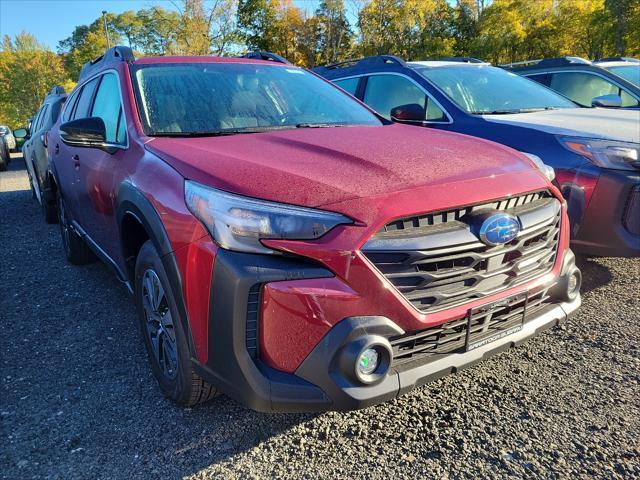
[(83, 104), (385, 92), (107, 106), (348, 85)]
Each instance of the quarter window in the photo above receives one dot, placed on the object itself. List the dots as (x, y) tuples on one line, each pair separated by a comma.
[(349, 85), (107, 106), (385, 92)]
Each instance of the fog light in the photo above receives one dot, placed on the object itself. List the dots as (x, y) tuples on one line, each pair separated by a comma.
[(573, 284), (368, 361)]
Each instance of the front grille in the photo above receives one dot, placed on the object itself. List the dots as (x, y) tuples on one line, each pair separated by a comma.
[(451, 337), (631, 218), (253, 308), (437, 260)]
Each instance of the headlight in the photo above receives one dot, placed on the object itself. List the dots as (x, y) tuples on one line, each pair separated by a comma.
[(548, 171), (239, 223), (605, 153)]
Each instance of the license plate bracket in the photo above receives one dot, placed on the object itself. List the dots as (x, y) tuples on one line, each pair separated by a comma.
[(482, 333)]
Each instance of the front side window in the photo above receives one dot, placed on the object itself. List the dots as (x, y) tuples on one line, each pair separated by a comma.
[(385, 92), (107, 106), (486, 90), (227, 98), (582, 87)]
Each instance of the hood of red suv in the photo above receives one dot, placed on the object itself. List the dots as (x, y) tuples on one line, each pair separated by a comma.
[(319, 166)]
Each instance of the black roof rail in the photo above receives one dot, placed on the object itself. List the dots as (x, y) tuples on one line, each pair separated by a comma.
[(115, 54), (461, 59), (376, 60), (57, 90), (548, 62), (272, 57), (617, 59)]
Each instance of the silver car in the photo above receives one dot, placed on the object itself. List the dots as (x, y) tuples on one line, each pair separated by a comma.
[(8, 137), (34, 150)]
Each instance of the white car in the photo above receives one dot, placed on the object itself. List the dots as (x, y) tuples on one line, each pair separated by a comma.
[(8, 137)]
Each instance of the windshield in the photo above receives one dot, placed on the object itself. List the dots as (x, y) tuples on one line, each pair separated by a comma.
[(214, 98), (631, 73), (485, 90)]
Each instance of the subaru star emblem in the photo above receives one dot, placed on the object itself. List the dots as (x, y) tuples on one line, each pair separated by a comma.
[(499, 229)]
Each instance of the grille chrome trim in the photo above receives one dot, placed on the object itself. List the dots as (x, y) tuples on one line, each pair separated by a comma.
[(451, 266)]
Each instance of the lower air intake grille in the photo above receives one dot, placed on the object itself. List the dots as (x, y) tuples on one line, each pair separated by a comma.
[(631, 217), (253, 308), (451, 337), (438, 260)]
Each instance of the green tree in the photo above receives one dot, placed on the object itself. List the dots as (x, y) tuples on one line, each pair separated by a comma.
[(88, 42), (334, 31), (28, 70), (258, 23)]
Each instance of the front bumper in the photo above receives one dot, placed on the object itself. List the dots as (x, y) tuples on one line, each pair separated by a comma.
[(319, 383), (609, 222)]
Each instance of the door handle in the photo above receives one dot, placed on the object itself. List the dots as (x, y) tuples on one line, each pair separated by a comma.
[(76, 161)]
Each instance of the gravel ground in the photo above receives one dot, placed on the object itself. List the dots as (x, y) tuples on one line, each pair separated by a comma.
[(77, 398)]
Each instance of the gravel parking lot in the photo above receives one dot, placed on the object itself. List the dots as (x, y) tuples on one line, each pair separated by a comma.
[(78, 400)]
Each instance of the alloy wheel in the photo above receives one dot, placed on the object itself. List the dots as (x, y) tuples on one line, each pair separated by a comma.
[(159, 324)]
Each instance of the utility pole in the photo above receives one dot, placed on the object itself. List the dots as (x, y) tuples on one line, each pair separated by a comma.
[(106, 31)]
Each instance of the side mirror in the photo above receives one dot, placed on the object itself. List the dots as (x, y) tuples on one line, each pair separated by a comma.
[(607, 101), (21, 133), (412, 113), (87, 133)]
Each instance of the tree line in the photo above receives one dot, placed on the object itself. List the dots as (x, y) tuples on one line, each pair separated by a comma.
[(498, 31)]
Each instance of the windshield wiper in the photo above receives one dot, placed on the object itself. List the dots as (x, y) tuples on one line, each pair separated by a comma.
[(320, 125), (219, 133), (512, 111)]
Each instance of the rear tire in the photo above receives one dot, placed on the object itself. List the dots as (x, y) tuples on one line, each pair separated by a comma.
[(33, 188), (75, 248), (163, 334), (49, 211)]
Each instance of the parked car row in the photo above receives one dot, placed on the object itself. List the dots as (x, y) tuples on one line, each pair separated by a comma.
[(300, 249), (610, 82), (594, 151)]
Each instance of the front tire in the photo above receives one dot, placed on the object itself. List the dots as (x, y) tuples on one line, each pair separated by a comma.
[(75, 248), (163, 334)]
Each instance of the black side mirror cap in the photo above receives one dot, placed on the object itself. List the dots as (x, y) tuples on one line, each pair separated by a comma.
[(87, 133), (412, 113)]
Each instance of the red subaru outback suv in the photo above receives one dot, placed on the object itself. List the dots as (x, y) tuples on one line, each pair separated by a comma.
[(290, 248)]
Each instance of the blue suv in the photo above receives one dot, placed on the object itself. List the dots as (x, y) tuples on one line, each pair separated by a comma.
[(594, 151)]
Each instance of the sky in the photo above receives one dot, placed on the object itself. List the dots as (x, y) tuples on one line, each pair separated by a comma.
[(54, 20)]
